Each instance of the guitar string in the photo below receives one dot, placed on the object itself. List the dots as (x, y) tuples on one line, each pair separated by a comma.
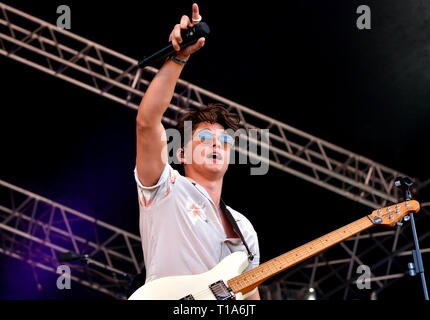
[(202, 293), (207, 290), (301, 249)]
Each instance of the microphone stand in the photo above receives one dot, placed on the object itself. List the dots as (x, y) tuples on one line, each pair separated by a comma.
[(416, 266), (87, 259)]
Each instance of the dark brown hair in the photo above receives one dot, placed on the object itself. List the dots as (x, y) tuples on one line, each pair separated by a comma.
[(212, 113)]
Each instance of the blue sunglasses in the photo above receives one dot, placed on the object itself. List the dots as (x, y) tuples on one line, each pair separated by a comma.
[(206, 136)]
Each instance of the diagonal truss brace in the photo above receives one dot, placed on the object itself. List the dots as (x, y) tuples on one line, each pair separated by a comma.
[(35, 229)]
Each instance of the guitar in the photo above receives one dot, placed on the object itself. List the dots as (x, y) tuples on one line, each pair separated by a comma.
[(226, 280)]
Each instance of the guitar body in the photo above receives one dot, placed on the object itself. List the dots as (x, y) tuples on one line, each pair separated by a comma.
[(194, 287)]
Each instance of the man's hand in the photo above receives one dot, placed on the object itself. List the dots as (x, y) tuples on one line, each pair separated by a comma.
[(176, 39)]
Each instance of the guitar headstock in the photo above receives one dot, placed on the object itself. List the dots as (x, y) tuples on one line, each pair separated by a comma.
[(388, 216)]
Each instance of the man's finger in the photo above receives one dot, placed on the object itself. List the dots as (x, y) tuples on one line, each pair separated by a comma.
[(177, 33), (198, 45), (196, 13), (176, 37), (185, 21)]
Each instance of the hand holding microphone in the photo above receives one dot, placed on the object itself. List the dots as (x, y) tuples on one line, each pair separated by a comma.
[(176, 36), (187, 37)]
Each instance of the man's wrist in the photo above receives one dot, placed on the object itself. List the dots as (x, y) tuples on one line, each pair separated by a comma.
[(182, 56), (179, 59)]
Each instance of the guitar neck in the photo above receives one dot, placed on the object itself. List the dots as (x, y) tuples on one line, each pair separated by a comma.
[(252, 278)]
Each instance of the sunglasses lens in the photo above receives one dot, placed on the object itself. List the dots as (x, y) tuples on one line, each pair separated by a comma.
[(226, 139), (205, 136)]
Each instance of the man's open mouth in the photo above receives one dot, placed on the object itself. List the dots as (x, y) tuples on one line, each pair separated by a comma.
[(215, 156)]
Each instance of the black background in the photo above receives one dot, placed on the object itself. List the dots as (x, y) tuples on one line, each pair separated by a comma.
[(304, 63)]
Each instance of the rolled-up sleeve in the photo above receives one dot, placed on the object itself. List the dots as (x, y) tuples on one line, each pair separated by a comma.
[(149, 196)]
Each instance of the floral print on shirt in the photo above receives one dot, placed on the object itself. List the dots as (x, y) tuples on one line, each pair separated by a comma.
[(196, 212)]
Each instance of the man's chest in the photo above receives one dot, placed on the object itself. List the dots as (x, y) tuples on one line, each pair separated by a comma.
[(228, 228), (200, 210)]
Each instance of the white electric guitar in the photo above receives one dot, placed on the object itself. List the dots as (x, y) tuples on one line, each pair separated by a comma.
[(226, 280)]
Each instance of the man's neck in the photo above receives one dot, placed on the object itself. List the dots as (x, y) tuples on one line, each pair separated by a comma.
[(212, 186)]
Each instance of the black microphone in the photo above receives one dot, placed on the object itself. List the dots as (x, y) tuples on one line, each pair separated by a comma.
[(189, 36), (71, 256)]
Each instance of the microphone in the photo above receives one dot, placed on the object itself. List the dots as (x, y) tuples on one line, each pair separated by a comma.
[(71, 256), (189, 36)]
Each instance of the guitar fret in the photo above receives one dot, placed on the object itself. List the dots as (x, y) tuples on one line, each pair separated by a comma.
[(279, 263), (344, 230), (304, 248), (315, 244), (326, 239), (322, 243), (334, 237)]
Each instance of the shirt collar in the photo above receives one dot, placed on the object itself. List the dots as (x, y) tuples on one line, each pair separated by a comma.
[(206, 194), (201, 189)]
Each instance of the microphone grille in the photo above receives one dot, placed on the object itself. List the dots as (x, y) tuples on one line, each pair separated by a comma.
[(202, 29)]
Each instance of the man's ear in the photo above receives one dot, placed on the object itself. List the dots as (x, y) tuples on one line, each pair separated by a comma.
[(180, 155)]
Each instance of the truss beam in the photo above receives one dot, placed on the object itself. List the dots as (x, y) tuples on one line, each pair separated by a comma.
[(35, 229)]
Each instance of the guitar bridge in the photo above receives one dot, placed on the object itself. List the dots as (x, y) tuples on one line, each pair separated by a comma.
[(221, 291)]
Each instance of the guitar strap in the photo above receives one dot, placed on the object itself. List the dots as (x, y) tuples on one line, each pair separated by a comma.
[(236, 228)]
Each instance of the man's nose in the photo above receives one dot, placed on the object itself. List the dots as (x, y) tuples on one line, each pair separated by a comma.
[(216, 143)]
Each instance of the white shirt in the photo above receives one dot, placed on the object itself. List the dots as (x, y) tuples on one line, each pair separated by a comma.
[(181, 231)]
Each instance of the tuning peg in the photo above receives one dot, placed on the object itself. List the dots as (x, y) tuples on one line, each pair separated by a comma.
[(406, 218), (400, 223)]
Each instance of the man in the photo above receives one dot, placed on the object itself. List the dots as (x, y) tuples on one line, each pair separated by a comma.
[(183, 228)]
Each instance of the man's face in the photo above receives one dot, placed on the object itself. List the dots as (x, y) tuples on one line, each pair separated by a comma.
[(209, 148)]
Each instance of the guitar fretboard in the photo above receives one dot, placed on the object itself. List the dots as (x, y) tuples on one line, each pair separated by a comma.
[(250, 279)]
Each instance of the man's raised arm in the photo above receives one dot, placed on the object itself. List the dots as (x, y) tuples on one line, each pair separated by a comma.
[(151, 136)]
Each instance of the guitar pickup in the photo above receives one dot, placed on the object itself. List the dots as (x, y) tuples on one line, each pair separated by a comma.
[(221, 291)]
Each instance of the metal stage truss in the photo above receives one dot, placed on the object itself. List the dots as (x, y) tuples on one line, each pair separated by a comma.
[(35, 230), (110, 74)]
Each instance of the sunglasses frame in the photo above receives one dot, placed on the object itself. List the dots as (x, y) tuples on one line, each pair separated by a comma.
[(199, 137)]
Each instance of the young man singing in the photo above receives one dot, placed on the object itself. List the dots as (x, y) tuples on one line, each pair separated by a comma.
[(183, 227)]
